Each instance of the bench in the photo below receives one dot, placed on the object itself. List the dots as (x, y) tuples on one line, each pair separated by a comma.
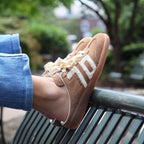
[(112, 117)]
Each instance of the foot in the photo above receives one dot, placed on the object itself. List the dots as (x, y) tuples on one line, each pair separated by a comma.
[(80, 46), (49, 99), (78, 76)]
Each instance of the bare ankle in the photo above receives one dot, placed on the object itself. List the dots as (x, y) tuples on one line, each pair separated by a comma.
[(50, 99)]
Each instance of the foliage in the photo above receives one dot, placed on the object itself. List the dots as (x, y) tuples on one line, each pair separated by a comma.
[(29, 8), (36, 38), (96, 31), (52, 39), (124, 20), (129, 56), (131, 53), (29, 45), (70, 25), (134, 48)]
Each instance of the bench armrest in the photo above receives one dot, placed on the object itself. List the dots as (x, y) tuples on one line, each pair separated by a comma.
[(118, 100)]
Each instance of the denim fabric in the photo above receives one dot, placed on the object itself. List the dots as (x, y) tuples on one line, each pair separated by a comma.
[(10, 44), (16, 89)]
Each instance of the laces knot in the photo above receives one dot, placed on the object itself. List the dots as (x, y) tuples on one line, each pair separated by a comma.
[(61, 65)]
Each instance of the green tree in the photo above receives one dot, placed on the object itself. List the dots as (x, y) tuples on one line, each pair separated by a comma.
[(123, 20), (28, 8), (18, 16), (52, 39)]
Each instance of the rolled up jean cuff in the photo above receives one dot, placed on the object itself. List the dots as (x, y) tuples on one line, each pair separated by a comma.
[(10, 44), (16, 87)]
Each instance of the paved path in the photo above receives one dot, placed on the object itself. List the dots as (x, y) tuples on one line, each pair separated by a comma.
[(11, 121)]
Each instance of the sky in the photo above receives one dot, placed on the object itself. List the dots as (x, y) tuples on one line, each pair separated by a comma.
[(76, 9)]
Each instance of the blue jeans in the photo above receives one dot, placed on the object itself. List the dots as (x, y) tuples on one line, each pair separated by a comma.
[(16, 88)]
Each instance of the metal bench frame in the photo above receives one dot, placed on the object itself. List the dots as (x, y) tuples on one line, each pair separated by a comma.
[(111, 117)]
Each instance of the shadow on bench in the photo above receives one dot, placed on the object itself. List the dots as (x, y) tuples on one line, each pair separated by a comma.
[(112, 117)]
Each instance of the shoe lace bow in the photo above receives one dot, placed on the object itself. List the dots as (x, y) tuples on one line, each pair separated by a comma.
[(61, 65)]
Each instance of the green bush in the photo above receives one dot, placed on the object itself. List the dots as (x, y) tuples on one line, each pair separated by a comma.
[(52, 39), (29, 45), (36, 39), (129, 55)]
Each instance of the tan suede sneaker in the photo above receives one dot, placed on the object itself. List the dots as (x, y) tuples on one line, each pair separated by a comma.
[(79, 75), (80, 46)]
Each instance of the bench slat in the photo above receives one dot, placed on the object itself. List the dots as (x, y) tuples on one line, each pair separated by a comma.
[(60, 135), (110, 128), (44, 128), (91, 126), (140, 139), (135, 125), (100, 127), (23, 125), (83, 125), (38, 129), (28, 127), (120, 129), (32, 129), (47, 133), (67, 137), (52, 136)]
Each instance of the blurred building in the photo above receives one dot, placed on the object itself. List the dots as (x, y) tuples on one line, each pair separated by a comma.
[(86, 18)]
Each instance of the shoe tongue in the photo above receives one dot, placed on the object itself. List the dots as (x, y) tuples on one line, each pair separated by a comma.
[(57, 80)]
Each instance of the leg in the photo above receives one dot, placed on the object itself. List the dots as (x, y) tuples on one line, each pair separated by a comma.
[(79, 75)]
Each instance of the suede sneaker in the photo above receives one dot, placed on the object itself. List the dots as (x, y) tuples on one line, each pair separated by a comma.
[(80, 46), (79, 75)]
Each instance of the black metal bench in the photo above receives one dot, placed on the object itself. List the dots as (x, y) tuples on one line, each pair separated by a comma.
[(112, 117)]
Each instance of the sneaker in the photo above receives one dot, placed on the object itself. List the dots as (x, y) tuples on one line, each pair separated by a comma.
[(80, 46), (79, 75), (50, 65)]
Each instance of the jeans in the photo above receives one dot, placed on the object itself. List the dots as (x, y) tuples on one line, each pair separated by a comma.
[(16, 87)]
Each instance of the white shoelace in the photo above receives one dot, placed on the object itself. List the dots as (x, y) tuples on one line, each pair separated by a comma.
[(61, 65)]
